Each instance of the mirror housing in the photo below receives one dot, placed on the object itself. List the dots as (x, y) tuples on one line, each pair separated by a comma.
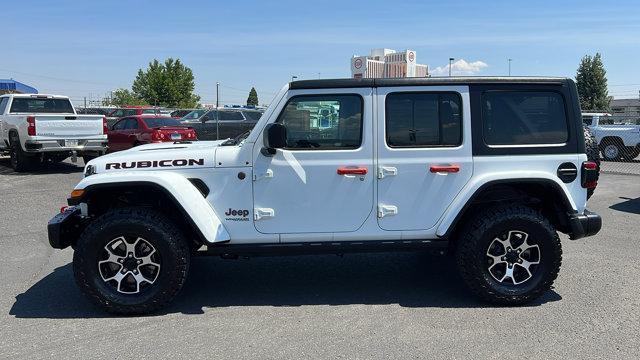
[(274, 137)]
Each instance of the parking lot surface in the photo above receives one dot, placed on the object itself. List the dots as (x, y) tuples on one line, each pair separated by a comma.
[(401, 305)]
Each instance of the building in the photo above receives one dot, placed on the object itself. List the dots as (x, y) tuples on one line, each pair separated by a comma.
[(625, 110), (10, 86), (387, 63)]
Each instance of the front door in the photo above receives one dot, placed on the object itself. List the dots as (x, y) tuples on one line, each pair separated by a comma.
[(322, 182), (424, 153)]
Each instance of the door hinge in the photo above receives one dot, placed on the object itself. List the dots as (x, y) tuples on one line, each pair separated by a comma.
[(387, 171), (267, 174), (260, 213), (384, 210)]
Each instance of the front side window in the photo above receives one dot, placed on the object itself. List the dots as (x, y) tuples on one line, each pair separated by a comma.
[(423, 119), (524, 118), (323, 122)]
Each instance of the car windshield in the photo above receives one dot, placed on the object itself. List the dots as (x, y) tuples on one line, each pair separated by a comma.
[(193, 115), (41, 105), (158, 122)]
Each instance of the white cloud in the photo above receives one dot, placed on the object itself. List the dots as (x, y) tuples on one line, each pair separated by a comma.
[(460, 67)]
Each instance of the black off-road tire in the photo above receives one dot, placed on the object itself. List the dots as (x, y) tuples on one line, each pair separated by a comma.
[(593, 154), (478, 233), (155, 228), (19, 159)]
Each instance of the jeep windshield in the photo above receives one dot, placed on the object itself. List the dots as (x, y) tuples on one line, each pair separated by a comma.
[(41, 105)]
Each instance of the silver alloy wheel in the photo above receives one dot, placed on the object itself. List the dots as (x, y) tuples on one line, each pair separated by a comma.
[(611, 151), (512, 258), (129, 266)]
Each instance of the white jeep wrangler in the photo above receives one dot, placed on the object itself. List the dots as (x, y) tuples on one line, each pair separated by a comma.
[(487, 168)]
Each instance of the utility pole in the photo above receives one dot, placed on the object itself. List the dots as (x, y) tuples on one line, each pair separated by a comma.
[(450, 61), (85, 102), (217, 105), (509, 66)]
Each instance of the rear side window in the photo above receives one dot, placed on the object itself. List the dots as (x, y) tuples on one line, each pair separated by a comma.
[(423, 119), (323, 122), (44, 106), (252, 115), (230, 116), (524, 118)]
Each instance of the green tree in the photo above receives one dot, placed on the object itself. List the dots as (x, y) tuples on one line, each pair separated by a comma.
[(253, 97), (122, 97), (591, 80), (167, 84)]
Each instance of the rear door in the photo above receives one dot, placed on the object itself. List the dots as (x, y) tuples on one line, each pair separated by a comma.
[(424, 153)]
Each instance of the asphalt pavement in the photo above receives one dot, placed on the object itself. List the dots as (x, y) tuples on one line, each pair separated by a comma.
[(400, 305)]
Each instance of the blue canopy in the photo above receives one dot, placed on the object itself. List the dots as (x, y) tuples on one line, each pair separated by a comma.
[(15, 86)]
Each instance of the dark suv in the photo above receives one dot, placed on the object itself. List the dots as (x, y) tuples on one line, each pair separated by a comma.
[(223, 123)]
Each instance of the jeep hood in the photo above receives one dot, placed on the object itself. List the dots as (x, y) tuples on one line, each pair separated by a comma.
[(159, 156)]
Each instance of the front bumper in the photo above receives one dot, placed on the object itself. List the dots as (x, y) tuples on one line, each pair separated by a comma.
[(585, 224), (64, 228), (84, 145)]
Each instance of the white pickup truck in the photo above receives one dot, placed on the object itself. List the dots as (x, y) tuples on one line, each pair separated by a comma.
[(36, 128), (616, 141)]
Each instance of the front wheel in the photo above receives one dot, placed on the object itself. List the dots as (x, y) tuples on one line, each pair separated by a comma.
[(131, 261), (508, 255)]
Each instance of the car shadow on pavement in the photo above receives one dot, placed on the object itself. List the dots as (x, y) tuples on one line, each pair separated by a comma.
[(43, 169), (628, 205), (406, 279)]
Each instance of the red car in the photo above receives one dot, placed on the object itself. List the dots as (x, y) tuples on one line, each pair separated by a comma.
[(132, 131)]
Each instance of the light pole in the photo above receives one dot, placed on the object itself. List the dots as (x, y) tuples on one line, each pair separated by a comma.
[(217, 105), (450, 61), (293, 77), (509, 66)]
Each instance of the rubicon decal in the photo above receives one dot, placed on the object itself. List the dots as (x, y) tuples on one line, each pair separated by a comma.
[(154, 164)]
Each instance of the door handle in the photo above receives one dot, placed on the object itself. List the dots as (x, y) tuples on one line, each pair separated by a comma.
[(352, 171), (444, 168)]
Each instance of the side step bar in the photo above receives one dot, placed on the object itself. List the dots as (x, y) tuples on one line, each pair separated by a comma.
[(232, 251)]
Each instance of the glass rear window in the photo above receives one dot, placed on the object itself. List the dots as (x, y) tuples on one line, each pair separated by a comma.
[(524, 118), (44, 106), (158, 122), (252, 115)]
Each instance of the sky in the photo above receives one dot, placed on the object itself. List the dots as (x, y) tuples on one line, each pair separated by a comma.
[(88, 48)]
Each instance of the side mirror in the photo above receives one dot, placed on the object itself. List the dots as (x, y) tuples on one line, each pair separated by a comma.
[(274, 137)]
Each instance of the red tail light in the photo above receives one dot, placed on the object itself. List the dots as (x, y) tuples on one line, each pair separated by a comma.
[(157, 136), (589, 175), (105, 126), (31, 125)]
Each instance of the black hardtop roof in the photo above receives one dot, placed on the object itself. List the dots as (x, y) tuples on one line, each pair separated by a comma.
[(457, 80)]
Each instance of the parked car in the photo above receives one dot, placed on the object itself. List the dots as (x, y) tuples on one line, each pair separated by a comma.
[(119, 113), (37, 128), (94, 111), (616, 141), (136, 130), (224, 123)]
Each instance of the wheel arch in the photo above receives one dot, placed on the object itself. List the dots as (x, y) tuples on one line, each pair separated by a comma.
[(182, 200), (540, 193)]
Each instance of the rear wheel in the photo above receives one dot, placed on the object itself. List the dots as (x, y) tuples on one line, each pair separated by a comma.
[(611, 150), (509, 254), (20, 160), (131, 261)]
